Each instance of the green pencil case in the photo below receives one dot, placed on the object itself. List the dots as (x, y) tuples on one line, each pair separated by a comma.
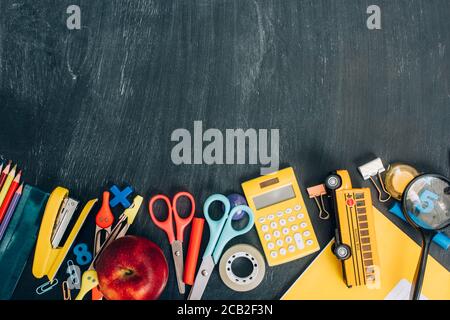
[(20, 238)]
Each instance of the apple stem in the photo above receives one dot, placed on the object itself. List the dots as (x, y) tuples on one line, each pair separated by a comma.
[(128, 272)]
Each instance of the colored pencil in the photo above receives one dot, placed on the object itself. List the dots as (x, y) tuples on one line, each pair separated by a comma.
[(9, 195), (4, 174), (7, 184), (10, 211)]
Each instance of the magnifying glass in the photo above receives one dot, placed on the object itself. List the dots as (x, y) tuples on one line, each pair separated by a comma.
[(426, 206)]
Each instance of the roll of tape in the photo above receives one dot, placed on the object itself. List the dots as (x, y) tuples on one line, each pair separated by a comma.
[(242, 284), (397, 178)]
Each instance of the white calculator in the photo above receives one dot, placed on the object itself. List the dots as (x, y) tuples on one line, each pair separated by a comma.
[(281, 217)]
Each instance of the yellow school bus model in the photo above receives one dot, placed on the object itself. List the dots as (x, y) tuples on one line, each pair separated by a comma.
[(355, 241)]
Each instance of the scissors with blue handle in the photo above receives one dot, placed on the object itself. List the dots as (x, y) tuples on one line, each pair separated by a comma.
[(221, 232)]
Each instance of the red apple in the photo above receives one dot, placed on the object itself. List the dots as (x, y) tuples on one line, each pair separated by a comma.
[(132, 268)]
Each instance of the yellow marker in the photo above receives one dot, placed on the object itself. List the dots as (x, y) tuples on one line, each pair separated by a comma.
[(7, 184)]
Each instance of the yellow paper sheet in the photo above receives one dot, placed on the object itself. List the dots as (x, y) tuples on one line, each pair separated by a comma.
[(399, 256)]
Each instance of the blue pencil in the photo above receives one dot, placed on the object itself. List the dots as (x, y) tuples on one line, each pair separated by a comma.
[(10, 212)]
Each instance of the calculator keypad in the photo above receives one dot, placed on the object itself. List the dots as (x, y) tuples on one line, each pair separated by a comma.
[(288, 234)]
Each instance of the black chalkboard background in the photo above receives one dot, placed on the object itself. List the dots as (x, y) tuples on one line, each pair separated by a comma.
[(90, 107)]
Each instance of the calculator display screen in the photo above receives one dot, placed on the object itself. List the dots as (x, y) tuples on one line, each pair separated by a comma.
[(273, 197)]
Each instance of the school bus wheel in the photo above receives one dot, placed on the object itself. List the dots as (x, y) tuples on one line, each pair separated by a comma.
[(333, 182), (342, 251)]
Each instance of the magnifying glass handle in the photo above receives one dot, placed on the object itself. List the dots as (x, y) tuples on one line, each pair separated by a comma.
[(420, 271)]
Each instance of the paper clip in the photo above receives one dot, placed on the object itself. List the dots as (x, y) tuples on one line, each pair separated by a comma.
[(316, 192), (66, 291), (47, 286), (74, 279), (373, 169)]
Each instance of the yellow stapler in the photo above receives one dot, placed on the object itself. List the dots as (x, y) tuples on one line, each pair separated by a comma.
[(59, 210)]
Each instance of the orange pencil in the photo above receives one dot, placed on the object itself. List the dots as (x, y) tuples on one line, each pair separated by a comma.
[(4, 174), (12, 189)]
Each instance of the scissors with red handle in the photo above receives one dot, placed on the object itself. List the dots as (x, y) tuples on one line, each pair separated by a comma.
[(175, 237)]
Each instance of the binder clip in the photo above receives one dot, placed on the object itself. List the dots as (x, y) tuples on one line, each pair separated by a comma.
[(49, 254), (316, 193), (373, 170)]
